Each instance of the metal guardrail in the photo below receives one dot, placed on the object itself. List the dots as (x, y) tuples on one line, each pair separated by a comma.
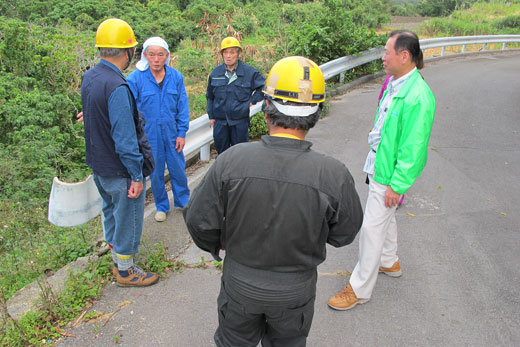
[(200, 134)]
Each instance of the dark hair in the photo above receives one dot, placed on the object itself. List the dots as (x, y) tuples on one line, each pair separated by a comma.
[(288, 122), (408, 41)]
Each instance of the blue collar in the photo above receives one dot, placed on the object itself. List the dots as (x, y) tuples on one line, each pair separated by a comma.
[(112, 66)]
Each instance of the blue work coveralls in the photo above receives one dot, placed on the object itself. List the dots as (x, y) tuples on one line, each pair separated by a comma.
[(228, 103), (165, 110)]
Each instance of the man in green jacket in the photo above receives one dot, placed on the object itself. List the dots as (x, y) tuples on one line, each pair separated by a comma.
[(398, 150)]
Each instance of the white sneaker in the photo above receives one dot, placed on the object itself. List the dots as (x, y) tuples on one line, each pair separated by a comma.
[(160, 216)]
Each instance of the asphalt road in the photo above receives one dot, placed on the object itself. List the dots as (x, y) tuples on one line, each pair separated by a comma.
[(459, 234)]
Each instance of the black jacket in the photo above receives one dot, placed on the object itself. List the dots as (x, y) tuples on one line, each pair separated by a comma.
[(273, 205)]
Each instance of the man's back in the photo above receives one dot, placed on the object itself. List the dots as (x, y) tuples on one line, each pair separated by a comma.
[(281, 203)]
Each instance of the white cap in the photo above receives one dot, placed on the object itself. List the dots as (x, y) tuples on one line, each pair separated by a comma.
[(152, 41)]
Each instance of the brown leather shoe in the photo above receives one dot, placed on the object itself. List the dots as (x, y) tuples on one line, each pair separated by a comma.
[(394, 271), (136, 277), (345, 299)]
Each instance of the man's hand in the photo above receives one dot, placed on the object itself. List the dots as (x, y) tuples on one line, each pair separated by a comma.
[(391, 198), (136, 188), (179, 144), (212, 122), (79, 116)]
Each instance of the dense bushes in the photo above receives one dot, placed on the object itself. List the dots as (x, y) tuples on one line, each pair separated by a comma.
[(332, 33), (509, 22), (482, 18), (440, 8), (40, 71)]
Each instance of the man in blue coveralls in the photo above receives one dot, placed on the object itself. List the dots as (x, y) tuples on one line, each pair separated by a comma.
[(233, 87), (161, 97)]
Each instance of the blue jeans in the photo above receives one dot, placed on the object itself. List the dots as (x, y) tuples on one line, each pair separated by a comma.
[(123, 217)]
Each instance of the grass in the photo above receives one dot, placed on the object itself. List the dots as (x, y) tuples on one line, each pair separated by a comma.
[(483, 18), (40, 326), (30, 245), (55, 310)]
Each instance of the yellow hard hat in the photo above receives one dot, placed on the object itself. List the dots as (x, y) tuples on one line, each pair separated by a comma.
[(115, 33), (229, 42), (296, 79)]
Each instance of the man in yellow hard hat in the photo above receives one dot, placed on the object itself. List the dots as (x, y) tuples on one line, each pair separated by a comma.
[(117, 149), (273, 205), (233, 87)]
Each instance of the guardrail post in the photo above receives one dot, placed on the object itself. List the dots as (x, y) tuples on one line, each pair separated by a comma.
[(443, 51), (463, 49), (204, 152), (342, 77), (484, 46), (504, 46)]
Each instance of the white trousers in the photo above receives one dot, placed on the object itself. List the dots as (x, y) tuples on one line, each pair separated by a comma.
[(377, 241)]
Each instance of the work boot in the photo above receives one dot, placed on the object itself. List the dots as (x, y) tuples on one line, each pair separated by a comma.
[(345, 299), (160, 216), (135, 277), (115, 270), (394, 271)]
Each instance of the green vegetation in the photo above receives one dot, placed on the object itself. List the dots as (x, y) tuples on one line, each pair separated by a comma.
[(257, 126), (439, 8), (36, 327), (482, 18), (47, 45), (55, 310)]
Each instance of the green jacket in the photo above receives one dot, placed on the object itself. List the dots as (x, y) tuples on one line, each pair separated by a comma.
[(402, 152)]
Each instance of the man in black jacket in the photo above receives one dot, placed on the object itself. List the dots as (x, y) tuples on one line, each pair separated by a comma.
[(273, 205)]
